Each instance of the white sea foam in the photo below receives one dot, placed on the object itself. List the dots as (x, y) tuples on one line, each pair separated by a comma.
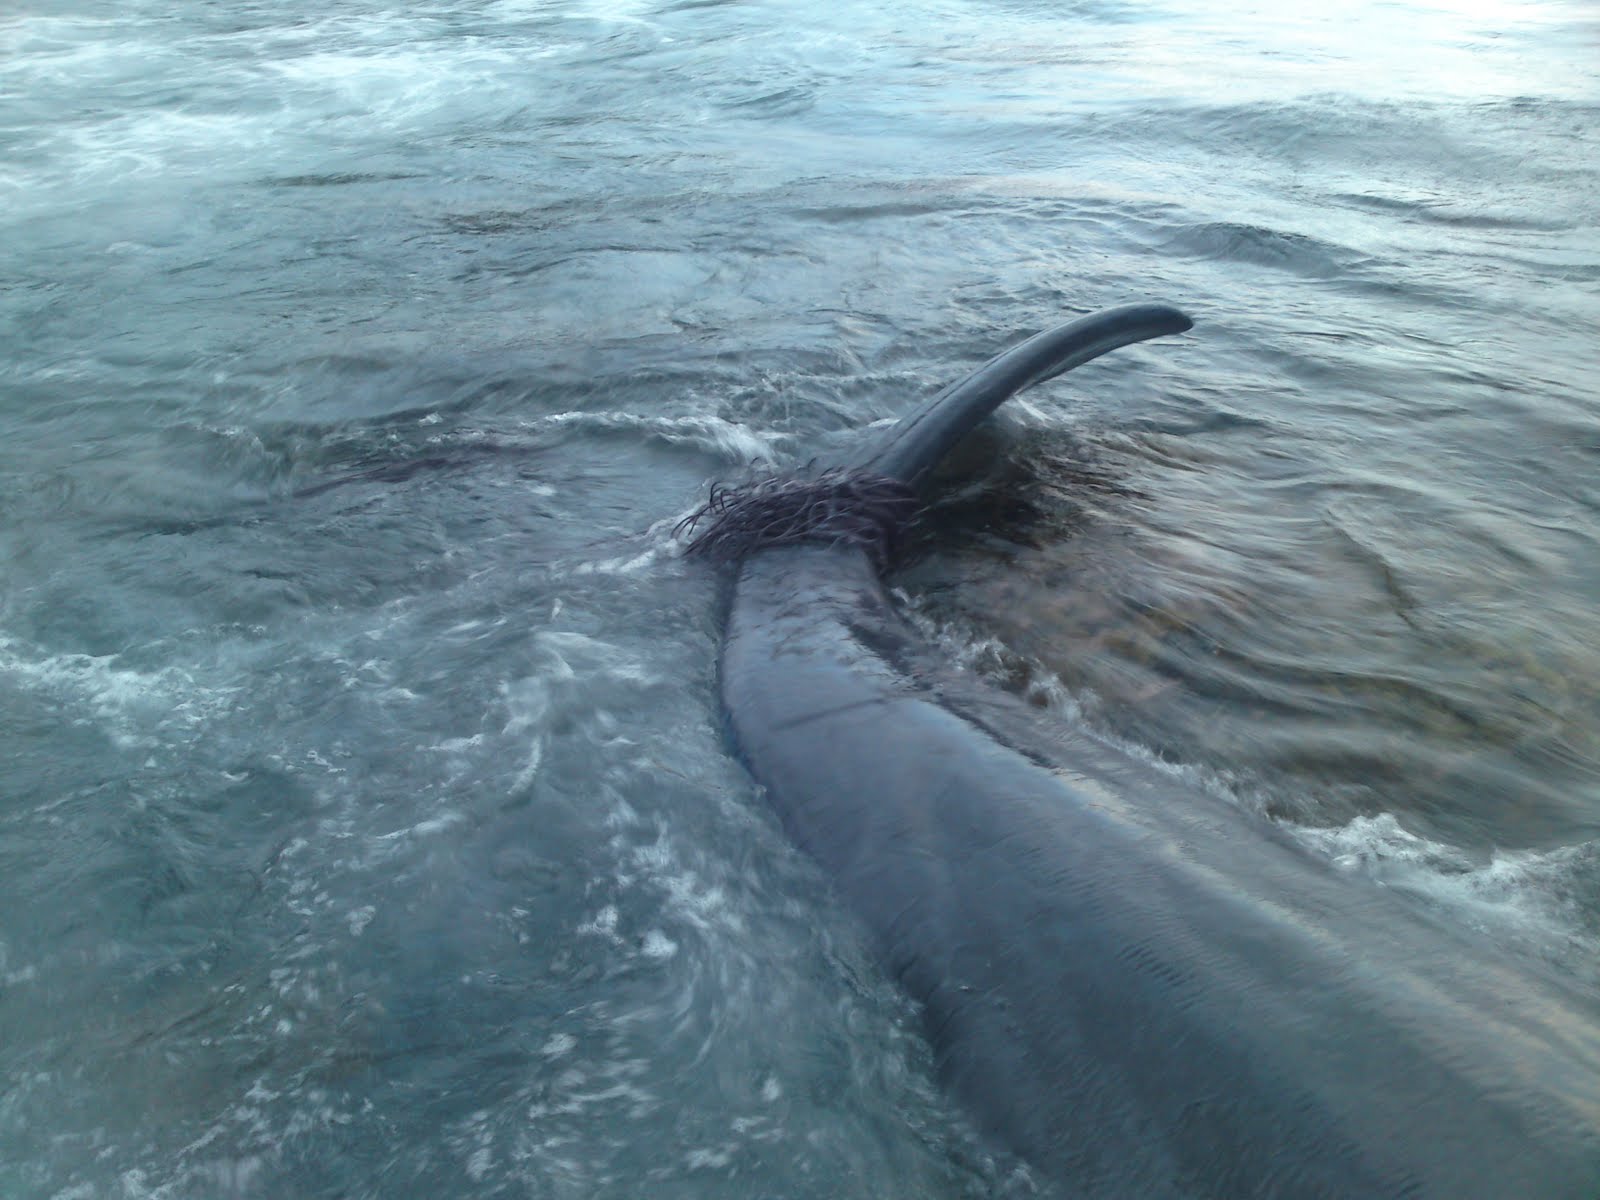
[(627, 564), (731, 440), (135, 708), (657, 945), (148, 107), (1524, 896), (426, 828)]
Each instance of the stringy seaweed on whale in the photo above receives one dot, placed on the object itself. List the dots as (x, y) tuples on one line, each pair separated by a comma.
[(839, 507)]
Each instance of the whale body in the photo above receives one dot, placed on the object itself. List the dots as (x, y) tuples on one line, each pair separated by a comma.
[(1134, 985)]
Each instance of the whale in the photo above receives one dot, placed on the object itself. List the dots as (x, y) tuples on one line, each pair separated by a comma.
[(1133, 985)]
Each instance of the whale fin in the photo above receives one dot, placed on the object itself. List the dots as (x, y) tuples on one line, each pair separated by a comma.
[(867, 499), (916, 443)]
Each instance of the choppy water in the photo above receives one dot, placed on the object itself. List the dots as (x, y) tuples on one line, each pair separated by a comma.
[(366, 826)]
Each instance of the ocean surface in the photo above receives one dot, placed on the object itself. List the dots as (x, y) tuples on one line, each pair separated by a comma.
[(367, 823)]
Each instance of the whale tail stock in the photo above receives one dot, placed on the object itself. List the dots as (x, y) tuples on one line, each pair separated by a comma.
[(867, 498)]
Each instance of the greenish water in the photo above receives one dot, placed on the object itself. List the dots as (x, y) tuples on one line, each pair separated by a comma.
[(366, 823)]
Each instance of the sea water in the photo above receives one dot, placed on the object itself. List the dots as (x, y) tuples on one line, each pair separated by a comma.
[(367, 823)]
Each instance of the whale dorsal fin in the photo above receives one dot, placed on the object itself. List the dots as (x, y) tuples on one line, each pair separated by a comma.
[(865, 499), (916, 443)]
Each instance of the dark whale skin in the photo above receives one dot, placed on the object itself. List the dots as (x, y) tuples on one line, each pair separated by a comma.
[(1138, 987), (1135, 985)]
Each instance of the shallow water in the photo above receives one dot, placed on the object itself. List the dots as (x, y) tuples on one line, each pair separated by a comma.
[(367, 825)]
